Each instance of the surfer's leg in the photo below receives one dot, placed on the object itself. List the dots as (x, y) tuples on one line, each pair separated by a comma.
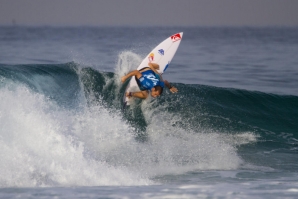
[(132, 73), (154, 67)]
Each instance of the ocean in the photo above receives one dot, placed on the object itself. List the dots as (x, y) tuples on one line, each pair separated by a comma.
[(230, 132)]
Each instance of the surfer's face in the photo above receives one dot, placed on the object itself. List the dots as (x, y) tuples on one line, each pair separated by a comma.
[(155, 93)]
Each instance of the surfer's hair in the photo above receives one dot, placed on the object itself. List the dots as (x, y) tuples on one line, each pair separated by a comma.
[(159, 88)]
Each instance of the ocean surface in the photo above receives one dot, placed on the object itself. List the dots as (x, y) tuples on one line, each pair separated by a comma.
[(230, 132)]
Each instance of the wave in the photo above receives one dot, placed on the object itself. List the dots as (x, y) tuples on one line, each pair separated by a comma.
[(62, 125)]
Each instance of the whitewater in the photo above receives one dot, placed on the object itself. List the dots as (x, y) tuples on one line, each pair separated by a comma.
[(231, 131)]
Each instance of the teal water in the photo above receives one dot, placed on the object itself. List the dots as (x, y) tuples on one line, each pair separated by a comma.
[(229, 131)]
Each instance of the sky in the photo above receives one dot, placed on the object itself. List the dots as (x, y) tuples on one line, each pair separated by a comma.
[(149, 12)]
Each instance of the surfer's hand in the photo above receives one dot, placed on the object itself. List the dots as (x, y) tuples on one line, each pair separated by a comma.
[(128, 94), (173, 89), (123, 79)]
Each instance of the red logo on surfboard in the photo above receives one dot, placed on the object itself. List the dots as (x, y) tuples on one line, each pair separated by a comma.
[(176, 37), (151, 57)]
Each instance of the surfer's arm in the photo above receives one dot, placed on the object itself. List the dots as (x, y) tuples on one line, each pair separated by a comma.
[(140, 94), (170, 87), (154, 66)]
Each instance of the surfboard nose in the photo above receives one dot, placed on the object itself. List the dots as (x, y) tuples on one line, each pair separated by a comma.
[(177, 37)]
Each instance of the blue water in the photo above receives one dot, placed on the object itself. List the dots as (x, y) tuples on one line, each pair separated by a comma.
[(230, 132)]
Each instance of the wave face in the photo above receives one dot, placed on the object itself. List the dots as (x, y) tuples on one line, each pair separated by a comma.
[(62, 125)]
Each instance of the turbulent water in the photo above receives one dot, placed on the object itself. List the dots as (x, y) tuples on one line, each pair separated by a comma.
[(231, 131)]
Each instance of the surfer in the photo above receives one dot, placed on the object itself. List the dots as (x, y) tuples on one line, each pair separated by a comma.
[(148, 79)]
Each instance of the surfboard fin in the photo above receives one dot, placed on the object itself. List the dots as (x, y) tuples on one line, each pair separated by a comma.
[(124, 107)]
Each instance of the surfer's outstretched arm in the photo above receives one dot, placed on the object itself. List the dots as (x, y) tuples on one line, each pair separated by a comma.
[(132, 73), (170, 87)]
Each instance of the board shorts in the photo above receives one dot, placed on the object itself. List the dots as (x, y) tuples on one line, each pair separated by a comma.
[(148, 80)]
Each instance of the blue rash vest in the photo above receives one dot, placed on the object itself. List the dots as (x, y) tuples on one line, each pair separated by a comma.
[(148, 80)]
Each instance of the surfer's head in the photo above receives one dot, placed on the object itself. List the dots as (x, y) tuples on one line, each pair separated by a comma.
[(156, 91)]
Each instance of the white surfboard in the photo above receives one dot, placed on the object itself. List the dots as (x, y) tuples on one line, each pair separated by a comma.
[(162, 54)]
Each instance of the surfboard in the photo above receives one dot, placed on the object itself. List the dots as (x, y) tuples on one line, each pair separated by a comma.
[(162, 54)]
